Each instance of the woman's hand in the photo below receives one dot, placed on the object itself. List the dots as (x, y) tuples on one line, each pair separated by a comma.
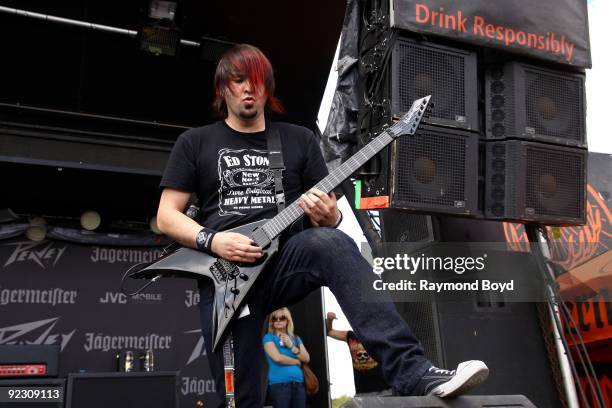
[(286, 340), (235, 247)]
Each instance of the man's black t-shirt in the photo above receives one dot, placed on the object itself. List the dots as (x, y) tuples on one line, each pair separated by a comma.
[(366, 370), (229, 171)]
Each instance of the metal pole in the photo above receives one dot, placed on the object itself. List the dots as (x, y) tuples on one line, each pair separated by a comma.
[(90, 116), (78, 23), (562, 353)]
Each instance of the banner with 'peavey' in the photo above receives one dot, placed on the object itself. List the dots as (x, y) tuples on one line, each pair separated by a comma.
[(553, 30), (55, 292)]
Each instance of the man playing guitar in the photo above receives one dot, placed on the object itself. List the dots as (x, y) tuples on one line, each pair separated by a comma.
[(226, 165)]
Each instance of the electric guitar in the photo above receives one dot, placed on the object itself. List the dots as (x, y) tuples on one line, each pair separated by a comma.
[(233, 281)]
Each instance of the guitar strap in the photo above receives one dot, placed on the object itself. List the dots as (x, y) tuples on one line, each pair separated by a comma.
[(276, 165), (275, 156)]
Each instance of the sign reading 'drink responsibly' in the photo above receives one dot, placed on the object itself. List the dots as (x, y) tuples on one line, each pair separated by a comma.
[(553, 30)]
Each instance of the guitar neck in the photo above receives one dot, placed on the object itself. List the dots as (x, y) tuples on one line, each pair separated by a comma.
[(293, 212)]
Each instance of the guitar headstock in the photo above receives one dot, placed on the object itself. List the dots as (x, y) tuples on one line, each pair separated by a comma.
[(409, 123)]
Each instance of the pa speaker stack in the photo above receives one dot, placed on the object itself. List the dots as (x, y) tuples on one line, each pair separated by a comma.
[(536, 138), (433, 170), (506, 139)]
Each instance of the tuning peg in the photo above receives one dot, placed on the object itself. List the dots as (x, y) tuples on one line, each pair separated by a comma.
[(431, 106), (235, 291), (244, 276)]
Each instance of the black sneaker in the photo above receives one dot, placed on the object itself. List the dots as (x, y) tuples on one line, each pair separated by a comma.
[(444, 383)]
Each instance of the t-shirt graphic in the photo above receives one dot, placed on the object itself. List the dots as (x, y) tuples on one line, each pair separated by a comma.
[(245, 181), (366, 371)]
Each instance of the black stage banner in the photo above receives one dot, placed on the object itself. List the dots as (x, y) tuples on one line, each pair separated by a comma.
[(54, 292), (553, 30)]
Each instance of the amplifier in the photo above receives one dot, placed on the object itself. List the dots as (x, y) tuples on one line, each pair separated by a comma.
[(29, 360), (23, 370), (540, 104)]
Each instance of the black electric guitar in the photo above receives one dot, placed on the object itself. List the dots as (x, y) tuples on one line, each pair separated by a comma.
[(233, 281)]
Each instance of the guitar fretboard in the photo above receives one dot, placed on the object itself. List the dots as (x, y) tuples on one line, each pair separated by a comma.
[(406, 125), (293, 212)]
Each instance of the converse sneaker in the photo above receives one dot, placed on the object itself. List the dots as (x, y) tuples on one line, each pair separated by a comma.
[(444, 383)]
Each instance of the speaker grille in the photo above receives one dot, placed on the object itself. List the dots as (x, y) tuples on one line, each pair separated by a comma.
[(529, 181), (555, 183), (425, 71), (533, 103), (401, 226), (553, 108), (431, 169), (422, 319), (447, 74)]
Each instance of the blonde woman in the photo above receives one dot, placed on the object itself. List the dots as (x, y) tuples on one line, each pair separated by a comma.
[(285, 353)]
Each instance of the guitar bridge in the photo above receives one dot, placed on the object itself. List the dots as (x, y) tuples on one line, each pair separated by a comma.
[(222, 270)]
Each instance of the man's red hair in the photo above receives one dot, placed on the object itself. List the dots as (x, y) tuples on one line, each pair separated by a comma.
[(246, 61)]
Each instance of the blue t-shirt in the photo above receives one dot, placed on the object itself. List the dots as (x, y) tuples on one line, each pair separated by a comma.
[(280, 373)]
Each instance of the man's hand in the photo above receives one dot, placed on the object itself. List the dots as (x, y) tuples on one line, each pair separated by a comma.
[(331, 316), (321, 208), (235, 247)]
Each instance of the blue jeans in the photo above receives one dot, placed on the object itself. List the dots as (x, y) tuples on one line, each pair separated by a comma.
[(288, 395), (310, 259)]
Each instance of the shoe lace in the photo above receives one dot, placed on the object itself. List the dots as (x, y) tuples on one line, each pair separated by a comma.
[(437, 370)]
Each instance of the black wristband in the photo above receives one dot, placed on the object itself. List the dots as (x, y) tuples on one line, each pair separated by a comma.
[(339, 220), (204, 240)]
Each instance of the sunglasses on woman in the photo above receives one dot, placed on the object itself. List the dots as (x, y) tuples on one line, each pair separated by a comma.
[(279, 318)]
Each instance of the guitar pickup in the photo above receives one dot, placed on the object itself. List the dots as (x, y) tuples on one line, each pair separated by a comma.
[(222, 270)]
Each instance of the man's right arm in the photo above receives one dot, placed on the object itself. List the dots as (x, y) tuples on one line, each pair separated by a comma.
[(341, 335), (338, 334), (173, 222)]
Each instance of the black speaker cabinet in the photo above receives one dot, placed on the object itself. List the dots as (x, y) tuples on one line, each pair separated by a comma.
[(530, 102), (436, 170), (123, 390), (402, 226), (506, 336), (36, 384), (448, 74), (472, 401), (535, 182)]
